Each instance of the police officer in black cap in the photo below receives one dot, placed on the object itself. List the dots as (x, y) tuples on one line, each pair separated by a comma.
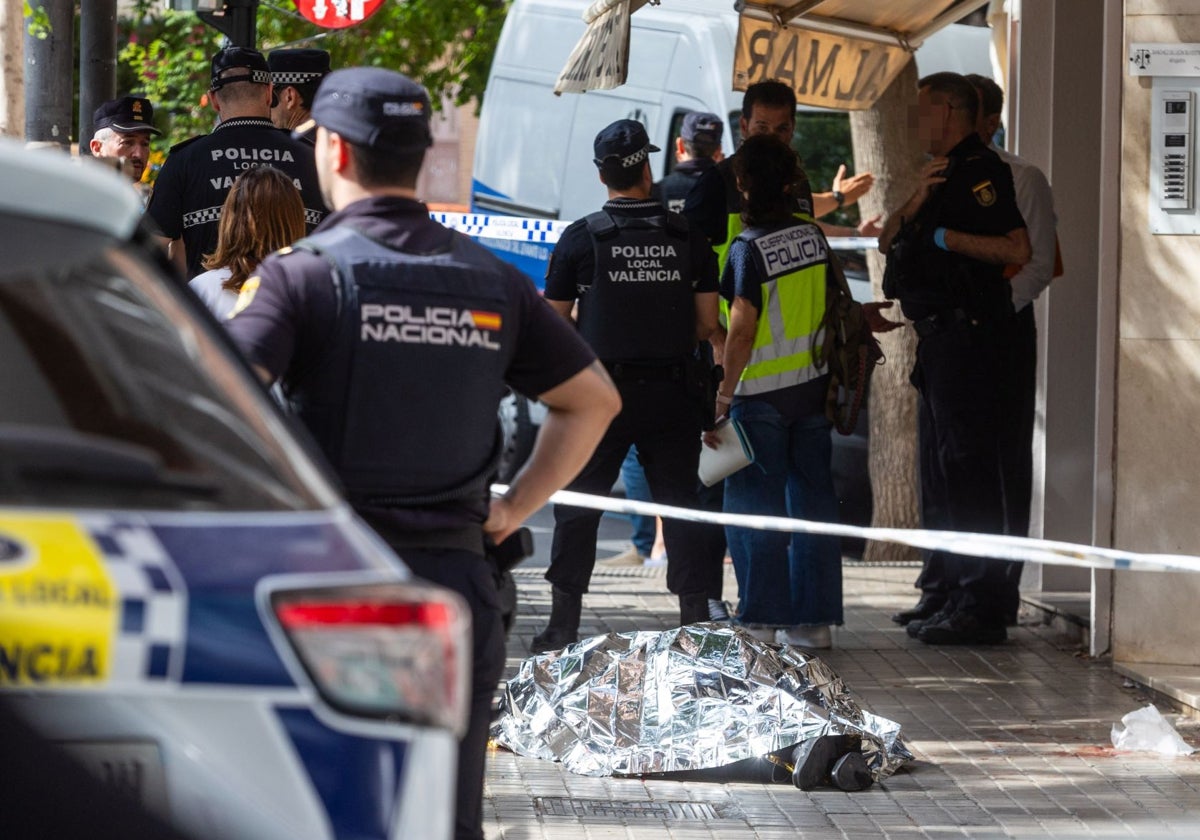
[(697, 149), (397, 360), (122, 132), (646, 287), (189, 191), (295, 75)]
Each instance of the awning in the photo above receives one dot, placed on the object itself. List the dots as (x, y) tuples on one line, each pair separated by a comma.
[(834, 53)]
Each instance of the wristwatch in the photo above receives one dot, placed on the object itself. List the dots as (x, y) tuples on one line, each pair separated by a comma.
[(839, 197)]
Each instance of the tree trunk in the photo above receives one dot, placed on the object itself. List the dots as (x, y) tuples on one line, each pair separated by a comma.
[(12, 69), (885, 143)]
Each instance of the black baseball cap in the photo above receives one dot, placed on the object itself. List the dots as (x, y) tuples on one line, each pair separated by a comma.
[(230, 58), (297, 67), (127, 114), (369, 106), (703, 127), (622, 144)]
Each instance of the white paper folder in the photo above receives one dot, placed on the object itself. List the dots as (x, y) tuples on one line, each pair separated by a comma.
[(733, 453)]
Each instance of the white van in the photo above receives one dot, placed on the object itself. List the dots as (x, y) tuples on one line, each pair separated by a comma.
[(533, 153)]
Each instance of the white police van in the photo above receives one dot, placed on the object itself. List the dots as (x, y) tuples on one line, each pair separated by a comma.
[(186, 605)]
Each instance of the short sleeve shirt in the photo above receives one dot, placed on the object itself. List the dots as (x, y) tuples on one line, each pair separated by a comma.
[(573, 263), (742, 278), (287, 317), (292, 310), (977, 198), (657, 319), (198, 174)]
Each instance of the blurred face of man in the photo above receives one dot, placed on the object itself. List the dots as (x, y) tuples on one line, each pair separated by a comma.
[(933, 110), (779, 120), (134, 146)]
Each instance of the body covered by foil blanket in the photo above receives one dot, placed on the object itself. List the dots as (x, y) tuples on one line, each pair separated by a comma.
[(701, 696)]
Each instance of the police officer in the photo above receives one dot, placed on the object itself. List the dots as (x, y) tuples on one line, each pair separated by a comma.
[(953, 238), (396, 362), (646, 286), (123, 128), (189, 191), (295, 76), (715, 204), (697, 149)]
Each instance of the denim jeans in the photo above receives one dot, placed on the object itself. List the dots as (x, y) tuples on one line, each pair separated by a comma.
[(637, 489), (785, 579)]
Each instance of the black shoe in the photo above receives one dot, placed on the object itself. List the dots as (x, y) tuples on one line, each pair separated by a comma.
[(850, 773), (964, 628), (925, 608), (552, 638), (563, 628), (813, 760), (914, 627)]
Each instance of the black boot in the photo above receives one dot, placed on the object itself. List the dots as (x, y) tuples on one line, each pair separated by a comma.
[(693, 608), (563, 628)]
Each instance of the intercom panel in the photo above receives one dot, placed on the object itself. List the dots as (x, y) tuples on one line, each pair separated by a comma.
[(1173, 171)]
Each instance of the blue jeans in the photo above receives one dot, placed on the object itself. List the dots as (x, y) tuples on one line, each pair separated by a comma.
[(638, 489), (785, 579)]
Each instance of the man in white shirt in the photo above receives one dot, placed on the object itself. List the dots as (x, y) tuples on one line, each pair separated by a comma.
[(1036, 203)]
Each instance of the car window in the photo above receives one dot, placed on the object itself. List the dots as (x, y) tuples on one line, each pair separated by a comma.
[(112, 394)]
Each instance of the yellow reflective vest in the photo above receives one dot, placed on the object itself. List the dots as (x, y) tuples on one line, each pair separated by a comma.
[(790, 333)]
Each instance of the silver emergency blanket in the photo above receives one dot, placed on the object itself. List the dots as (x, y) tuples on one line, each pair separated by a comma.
[(697, 697)]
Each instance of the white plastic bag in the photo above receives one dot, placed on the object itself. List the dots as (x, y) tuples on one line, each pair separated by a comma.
[(1147, 730)]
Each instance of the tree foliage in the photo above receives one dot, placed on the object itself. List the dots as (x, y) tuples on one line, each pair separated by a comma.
[(447, 45)]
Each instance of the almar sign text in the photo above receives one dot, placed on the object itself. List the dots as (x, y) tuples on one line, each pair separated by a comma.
[(823, 69)]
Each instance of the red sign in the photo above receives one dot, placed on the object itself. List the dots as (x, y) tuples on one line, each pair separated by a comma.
[(337, 14)]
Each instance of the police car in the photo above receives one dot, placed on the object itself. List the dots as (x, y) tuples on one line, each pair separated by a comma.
[(186, 605)]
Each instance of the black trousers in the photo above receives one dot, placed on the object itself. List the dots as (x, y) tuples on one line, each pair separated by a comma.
[(663, 421), (474, 578), (962, 489)]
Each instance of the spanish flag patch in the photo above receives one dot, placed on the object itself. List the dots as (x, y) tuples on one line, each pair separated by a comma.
[(486, 320)]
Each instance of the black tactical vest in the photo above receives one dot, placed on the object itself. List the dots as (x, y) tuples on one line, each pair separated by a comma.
[(404, 402), (641, 305)]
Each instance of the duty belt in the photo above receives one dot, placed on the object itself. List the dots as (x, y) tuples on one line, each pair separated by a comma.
[(645, 372), (939, 321)]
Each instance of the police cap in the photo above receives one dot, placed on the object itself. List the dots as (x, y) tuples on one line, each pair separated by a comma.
[(702, 127), (369, 106), (230, 58), (124, 115), (297, 67), (622, 144)]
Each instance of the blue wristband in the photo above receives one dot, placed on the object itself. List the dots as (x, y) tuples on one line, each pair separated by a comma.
[(939, 238)]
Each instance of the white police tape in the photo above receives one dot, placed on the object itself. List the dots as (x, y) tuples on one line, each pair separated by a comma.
[(503, 227), (995, 546), (523, 229)]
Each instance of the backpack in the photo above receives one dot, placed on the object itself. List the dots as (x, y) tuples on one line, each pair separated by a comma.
[(850, 351)]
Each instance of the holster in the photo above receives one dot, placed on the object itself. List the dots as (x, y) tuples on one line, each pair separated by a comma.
[(702, 380)]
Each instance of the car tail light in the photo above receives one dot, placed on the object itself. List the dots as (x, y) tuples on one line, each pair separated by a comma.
[(394, 651)]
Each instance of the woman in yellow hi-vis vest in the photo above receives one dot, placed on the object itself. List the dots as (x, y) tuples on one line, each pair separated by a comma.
[(775, 386)]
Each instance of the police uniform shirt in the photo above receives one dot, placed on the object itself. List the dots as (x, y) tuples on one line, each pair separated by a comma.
[(672, 191), (198, 173), (742, 278), (573, 263), (287, 314), (977, 197)]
